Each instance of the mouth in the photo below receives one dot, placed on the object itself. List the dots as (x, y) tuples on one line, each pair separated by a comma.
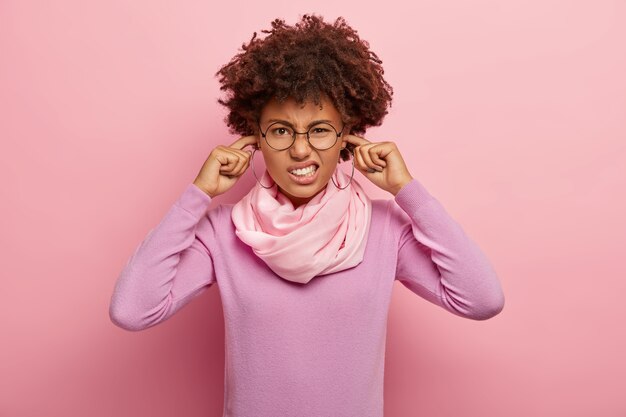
[(304, 172), (304, 175)]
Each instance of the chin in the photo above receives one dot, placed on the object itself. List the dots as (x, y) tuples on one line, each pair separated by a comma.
[(300, 192)]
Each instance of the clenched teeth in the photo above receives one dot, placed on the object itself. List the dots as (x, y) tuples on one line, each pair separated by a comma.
[(304, 171)]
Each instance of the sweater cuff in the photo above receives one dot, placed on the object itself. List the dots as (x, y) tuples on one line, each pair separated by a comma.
[(194, 201), (412, 196)]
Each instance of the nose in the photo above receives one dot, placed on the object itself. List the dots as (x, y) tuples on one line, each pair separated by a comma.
[(301, 147)]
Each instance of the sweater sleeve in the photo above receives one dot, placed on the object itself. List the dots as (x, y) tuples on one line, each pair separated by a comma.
[(169, 268), (439, 262)]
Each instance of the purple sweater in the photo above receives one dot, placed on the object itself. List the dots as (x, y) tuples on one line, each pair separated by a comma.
[(306, 350)]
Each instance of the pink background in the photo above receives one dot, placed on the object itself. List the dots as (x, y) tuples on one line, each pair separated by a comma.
[(511, 113)]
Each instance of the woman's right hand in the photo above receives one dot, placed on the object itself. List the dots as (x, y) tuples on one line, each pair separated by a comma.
[(224, 166)]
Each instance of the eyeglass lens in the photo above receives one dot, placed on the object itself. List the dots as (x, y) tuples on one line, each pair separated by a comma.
[(281, 136)]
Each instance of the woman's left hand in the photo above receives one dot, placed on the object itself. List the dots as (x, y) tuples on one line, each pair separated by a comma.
[(381, 163)]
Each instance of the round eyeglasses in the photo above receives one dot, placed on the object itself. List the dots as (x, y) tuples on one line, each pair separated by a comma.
[(281, 136)]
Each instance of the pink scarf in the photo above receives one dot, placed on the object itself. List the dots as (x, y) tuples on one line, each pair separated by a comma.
[(325, 235)]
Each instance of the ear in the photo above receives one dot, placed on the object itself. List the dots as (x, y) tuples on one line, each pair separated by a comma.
[(347, 130), (257, 133)]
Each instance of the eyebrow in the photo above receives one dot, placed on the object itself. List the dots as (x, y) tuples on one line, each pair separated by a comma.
[(314, 122)]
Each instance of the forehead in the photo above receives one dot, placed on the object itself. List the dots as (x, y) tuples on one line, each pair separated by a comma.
[(295, 113)]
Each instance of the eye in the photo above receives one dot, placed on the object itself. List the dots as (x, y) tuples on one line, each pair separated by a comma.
[(321, 131), (281, 131)]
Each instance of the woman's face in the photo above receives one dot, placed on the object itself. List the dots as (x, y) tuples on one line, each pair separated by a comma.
[(280, 164)]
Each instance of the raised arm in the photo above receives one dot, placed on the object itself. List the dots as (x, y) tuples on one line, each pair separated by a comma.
[(170, 267), (439, 262)]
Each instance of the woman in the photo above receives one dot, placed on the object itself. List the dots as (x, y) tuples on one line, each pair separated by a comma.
[(305, 261)]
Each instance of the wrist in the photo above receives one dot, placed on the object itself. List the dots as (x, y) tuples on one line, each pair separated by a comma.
[(395, 190), (204, 189)]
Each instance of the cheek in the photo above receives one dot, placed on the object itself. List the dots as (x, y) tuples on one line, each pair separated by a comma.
[(273, 163), (266, 155), (332, 159)]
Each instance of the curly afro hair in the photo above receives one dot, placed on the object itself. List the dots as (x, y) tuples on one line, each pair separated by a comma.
[(305, 61)]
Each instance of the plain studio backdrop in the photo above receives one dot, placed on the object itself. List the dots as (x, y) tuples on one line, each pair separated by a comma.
[(511, 113)]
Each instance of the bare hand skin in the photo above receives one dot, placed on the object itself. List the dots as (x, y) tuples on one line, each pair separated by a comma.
[(381, 163), (224, 166)]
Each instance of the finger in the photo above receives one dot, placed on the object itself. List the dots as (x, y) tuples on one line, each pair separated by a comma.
[(365, 154), (245, 166), (244, 141), (356, 140), (239, 168), (228, 160), (245, 153), (242, 163), (375, 153), (360, 164)]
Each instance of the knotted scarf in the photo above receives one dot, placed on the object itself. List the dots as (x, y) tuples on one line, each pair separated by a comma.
[(325, 235)]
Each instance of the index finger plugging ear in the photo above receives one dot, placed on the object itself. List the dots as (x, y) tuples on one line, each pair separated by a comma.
[(245, 141)]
